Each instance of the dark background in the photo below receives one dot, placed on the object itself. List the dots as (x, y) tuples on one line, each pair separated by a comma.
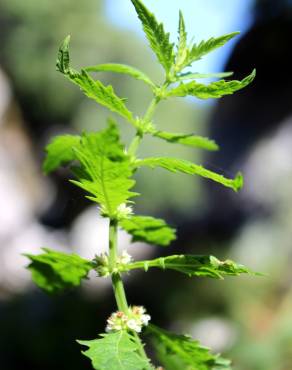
[(248, 319)]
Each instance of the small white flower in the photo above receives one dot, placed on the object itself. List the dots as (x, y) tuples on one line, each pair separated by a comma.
[(125, 258), (124, 211), (117, 321), (134, 325), (102, 265), (104, 258), (145, 319), (134, 320)]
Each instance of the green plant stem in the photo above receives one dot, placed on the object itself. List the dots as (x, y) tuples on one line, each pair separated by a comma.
[(135, 143), (133, 147), (117, 283), (151, 109)]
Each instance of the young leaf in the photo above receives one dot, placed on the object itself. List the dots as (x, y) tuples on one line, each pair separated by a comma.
[(157, 37), (60, 152), (63, 60), (202, 266), (205, 47), (180, 165), (95, 90), (123, 69), (149, 230), (105, 169), (186, 56), (55, 271), (103, 95), (182, 50), (193, 76), (213, 90), (182, 352), (115, 351), (187, 139)]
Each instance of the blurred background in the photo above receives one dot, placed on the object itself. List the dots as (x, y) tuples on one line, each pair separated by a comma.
[(247, 318)]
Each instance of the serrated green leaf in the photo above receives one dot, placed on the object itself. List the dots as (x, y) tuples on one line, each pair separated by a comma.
[(187, 139), (180, 165), (157, 37), (205, 47), (182, 50), (213, 90), (149, 230), (54, 271), (105, 169), (102, 94), (60, 152), (95, 90), (115, 351), (196, 75), (63, 60), (188, 55), (123, 69), (182, 352), (192, 265)]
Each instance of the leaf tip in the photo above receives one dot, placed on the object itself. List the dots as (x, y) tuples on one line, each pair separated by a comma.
[(214, 147), (249, 79), (63, 60), (238, 182), (67, 39), (65, 44)]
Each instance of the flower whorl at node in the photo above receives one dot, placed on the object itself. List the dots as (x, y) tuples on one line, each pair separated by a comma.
[(102, 262), (123, 211), (134, 320), (125, 258), (103, 266)]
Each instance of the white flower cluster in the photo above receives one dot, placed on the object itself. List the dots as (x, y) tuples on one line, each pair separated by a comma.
[(125, 258), (123, 211), (135, 319), (102, 261)]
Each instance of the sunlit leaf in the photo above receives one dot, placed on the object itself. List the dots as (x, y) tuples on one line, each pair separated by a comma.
[(60, 152), (213, 90), (182, 49), (180, 165), (115, 351), (187, 55), (157, 37), (63, 60), (149, 230), (187, 139), (205, 47), (182, 352), (106, 169), (123, 69), (192, 265), (55, 271), (196, 75), (95, 90)]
